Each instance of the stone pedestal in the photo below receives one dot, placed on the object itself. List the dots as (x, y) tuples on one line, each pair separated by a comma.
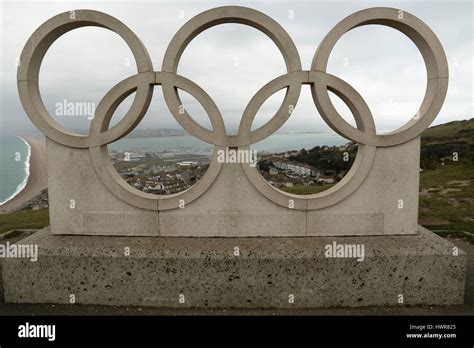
[(267, 273)]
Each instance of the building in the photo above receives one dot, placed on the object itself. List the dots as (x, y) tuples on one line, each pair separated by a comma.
[(294, 167), (187, 163), (326, 180), (136, 156)]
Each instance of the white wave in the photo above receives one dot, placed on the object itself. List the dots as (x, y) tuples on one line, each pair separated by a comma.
[(22, 185)]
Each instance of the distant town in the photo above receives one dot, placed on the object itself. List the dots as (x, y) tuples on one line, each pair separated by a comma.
[(160, 172), (297, 171), (319, 166)]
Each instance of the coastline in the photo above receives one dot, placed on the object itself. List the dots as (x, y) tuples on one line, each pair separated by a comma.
[(37, 179)]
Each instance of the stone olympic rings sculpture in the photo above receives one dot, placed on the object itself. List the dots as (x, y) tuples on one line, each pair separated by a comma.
[(319, 80)]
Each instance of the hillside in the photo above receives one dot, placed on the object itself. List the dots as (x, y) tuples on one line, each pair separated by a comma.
[(447, 185), (449, 130), (443, 140)]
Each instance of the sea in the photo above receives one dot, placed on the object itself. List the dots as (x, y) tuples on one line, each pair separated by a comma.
[(15, 152), (274, 143), (15, 155)]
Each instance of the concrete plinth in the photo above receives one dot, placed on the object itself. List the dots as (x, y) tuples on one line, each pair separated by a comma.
[(232, 206), (421, 269)]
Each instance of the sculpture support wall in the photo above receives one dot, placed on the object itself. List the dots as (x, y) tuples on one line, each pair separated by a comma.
[(232, 206)]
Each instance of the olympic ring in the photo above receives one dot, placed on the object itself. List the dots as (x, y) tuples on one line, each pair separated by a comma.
[(30, 62), (229, 14), (319, 80), (101, 160), (436, 66)]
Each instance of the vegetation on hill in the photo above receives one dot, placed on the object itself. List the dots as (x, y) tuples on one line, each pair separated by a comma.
[(447, 197), (441, 143), (24, 219), (327, 158), (447, 180)]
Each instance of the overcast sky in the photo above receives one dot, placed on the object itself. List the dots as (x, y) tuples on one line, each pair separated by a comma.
[(232, 61)]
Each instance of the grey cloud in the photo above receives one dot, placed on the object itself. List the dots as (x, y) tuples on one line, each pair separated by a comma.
[(395, 75)]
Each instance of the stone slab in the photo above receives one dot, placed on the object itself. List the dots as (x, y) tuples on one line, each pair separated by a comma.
[(232, 207), (207, 273)]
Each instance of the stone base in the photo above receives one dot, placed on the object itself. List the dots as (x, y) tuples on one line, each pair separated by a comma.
[(268, 273)]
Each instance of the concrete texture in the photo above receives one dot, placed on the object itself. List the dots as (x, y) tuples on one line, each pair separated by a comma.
[(232, 203), (80, 204), (233, 200), (206, 271)]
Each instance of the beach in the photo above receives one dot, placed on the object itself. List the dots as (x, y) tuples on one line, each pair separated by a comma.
[(37, 180)]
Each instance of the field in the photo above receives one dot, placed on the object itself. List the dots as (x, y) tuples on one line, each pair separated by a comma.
[(24, 219), (446, 197), (447, 191)]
